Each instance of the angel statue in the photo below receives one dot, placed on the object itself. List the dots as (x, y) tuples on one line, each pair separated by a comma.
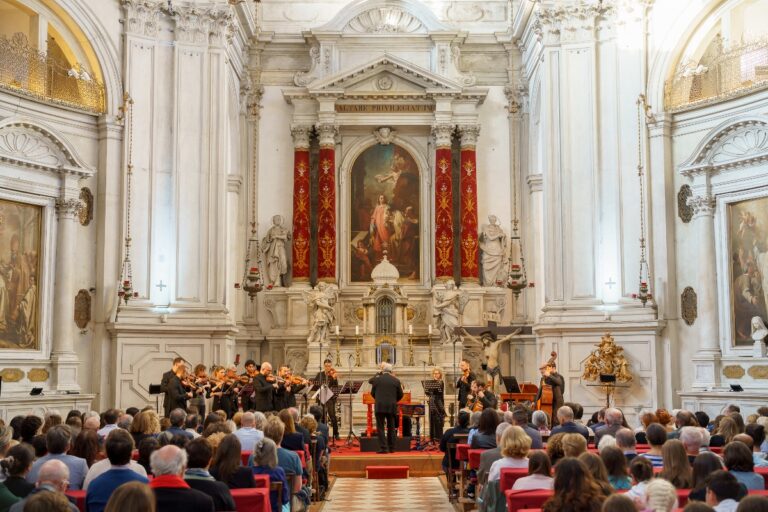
[(322, 299), (447, 308), (275, 254), (491, 352)]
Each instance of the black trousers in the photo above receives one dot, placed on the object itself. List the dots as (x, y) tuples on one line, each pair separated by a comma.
[(388, 442), (330, 412), (436, 422)]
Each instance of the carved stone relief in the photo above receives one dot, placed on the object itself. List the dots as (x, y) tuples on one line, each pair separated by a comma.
[(385, 20), (733, 371), (25, 143), (38, 375), (688, 305), (297, 358), (684, 210), (82, 309), (85, 213), (759, 371), (277, 311), (350, 313), (11, 375), (744, 142)]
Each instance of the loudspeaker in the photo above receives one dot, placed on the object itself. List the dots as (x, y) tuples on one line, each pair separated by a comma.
[(36, 391)]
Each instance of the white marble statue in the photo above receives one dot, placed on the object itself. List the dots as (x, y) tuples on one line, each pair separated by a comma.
[(322, 299), (275, 253), (493, 255), (491, 347), (759, 332), (447, 308)]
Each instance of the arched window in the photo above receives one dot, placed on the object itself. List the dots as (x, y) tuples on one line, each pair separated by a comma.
[(385, 315)]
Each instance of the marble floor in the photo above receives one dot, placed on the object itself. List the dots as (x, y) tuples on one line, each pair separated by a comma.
[(411, 494)]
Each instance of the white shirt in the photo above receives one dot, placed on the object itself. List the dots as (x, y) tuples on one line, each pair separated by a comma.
[(506, 462), (533, 482), (104, 431), (101, 467), (248, 437), (637, 490), (726, 506)]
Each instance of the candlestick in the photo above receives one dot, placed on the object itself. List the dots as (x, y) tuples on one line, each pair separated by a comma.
[(357, 330), (430, 329), (337, 330), (410, 349), (358, 359), (338, 347), (410, 329)]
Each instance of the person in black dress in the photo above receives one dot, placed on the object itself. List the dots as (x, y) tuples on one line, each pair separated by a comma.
[(330, 378), (386, 391), (436, 406), (177, 364), (464, 382)]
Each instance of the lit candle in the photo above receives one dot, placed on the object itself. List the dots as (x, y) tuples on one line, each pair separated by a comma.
[(430, 329), (337, 330), (410, 329), (357, 330)]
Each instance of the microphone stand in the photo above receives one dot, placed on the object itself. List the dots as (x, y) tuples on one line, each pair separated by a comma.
[(351, 437)]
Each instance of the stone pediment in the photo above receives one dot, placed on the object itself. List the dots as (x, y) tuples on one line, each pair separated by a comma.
[(734, 143), (385, 76)]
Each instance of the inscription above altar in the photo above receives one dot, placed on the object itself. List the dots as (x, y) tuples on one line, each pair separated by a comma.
[(374, 108)]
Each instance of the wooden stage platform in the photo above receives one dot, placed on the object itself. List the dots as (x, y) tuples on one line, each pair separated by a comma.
[(347, 463)]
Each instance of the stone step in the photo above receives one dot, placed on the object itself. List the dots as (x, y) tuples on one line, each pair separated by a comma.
[(386, 472)]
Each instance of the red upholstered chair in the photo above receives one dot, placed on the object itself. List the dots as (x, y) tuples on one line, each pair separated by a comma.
[(462, 451), (763, 472), (244, 456), (474, 458), (255, 500), (303, 457), (682, 497), (519, 500), (509, 476), (262, 481), (79, 497), (716, 449)]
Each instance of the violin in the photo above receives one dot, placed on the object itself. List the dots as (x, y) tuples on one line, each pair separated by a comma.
[(332, 373), (465, 375)]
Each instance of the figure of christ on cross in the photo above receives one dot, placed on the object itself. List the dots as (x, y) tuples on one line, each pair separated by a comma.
[(488, 339)]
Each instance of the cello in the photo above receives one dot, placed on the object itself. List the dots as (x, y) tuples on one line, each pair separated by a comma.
[(546, 397)]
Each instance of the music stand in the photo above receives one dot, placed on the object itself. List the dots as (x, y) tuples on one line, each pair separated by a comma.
[(431, 387), (414, 411), (511, 384), (350, 388), (156, 389)]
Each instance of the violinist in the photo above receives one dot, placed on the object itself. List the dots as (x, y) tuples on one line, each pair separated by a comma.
[(231, 391), (200, 388), (329, 377), (218, 384), (264, 387), (288, 386), (246, 379), (480, 398), (464, 382), (171, 386)]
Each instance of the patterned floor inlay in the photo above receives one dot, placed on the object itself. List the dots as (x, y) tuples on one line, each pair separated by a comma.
[(412, 494)]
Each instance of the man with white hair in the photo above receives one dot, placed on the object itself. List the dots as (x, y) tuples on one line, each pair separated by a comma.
[(247, 433), (566, 424), (264, 389), (171, 491), (386, 391), (52, 477), (613, 423), (626, 442), (297, 423), (692, 440)]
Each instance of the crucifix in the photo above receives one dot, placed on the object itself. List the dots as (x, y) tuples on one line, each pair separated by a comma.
[(490, 338), (161, 286), (610, 283)]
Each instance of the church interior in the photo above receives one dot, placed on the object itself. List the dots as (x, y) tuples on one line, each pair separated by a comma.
[(558, 200)]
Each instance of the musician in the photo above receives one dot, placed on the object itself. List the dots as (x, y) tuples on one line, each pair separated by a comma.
[(330, 378), (288, 386), (246, 379), (264, 386), (231, 392), (480, 398), (386, 391), (218, 383), (550, 377), (201, 386), (178, 363), (176, 394), (436, 405), (378, 373), (464, 383)]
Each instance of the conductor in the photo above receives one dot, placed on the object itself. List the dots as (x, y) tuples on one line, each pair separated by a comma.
[(386, 391)]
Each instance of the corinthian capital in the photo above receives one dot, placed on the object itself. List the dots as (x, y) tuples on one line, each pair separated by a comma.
[(327, 134), (67, 208), (204, 25), (142, 17), (703, 205), (570, 22), (300, 134), (469, 134), (442, 134)]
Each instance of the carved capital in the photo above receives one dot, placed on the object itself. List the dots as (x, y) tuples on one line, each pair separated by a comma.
[(443, 134), (142, 17), (67, 208), (572, 22), (250, 97), (300, 134), (516, 95), (195, 25), (327, 134), (703, 205), (469, 134)]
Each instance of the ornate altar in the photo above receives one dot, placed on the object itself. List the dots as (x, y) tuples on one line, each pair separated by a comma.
[(607, 367)]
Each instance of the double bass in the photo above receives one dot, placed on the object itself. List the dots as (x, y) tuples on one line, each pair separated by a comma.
[(546, 400)]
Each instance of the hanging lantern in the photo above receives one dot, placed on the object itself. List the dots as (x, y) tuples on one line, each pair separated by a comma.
[(517, 280), (644, 276), (252, 282), (125, 290)]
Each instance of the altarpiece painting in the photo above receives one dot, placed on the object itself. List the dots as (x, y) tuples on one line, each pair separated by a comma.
[(20, 238), (385, 212)]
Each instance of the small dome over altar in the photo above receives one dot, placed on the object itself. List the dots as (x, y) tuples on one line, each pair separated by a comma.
[(385, 272)]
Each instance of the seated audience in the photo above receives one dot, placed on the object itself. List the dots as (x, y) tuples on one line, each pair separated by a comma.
[(110, 418), (597, 420), (171, 491), (488, 457), (574, 445), (297, 423), (657, 436), (641, 470), (485, 437), (58, 442), (539, 473), (596, 468), (692, 439), (316, 411), (87, 446), (247, 433), (753, 504), (723, 491), (616, 466), (540, 421), (702, 418), (7, 498), (757, 433), (199, 455), (52, 476), (30, 427), (51, 419), (575, 490), (660, 496), (119, 447), (177, 418), (555, 448), (677, 470), (578, 415), (449, 436), (474, 422), (613, 423), (145, 424), (697, 506), (683, 419), (286, 459), (292, 439), (519, 417), (567, 425), (265, 463), (192, 425), (619, 503), (726, 430), (626, 442), (146, 447), (227, 464), (515, 445), (15, 468), (705, 464), (47, 502), (738, 459), (605, 442), (645, 420), (665, 419), (132, 497)]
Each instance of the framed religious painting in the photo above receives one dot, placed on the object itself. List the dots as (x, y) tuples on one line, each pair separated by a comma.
[(20, 264), (385, 210)]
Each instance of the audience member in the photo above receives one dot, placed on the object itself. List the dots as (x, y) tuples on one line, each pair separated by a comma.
[(692, 439), (15, 467), (555, 448), (683, 419), (294, 412), (15, 424), (567, 426), (292, 440), (677, 469), (596, 468), (539, 473), (104, 465), (641, 470), (488, 457), (177, 418), (738, 459), (119, 447), (146, 447), (265, 463), (132, 497), (192, 425), (657, 436), (227, 464), (660, 496), (75, 423), (613, 423), (753, 504), (697, 506), (726, 430), (86, 446), (474, 422), (578, 415), (597, 420), (757, 433), (171, 491), (619, 503), (606, 441), (247, 433), (520, 419), (145, 424), (705, 464), (58, 442), (51, 419), (515, 445), (574, 445), (485, 437), (575, 490), (199, 455), (665, 419), (626, 442), (702, 418), (645, 420), (30, 426), (723, 491), (317, 412), (616, 466), (286, 459), (52, 476), (540, 421), (109, 418)]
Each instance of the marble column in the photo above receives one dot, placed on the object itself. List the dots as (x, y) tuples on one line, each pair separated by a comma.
[(63, 356), (301, 203), (326, 204), (706, 362), (443, 202), (470, 272)]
